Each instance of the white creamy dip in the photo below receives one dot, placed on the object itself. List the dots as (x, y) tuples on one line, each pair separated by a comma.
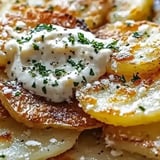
[(52, 61)]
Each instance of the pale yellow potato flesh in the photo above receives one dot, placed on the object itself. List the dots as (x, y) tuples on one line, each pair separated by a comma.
[(91, 146), (18, 142), (143, 139), (115, 102)]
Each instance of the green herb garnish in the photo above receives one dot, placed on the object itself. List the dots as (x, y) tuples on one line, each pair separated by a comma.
[(41, 27), (35, 46), (2, 156), (71, 39), (91, 72), (71, 62), (82, 39), (141, 108), (59, 72), (137, 35), (44, 90), (45, 81), (34, 85), (17, 93), (24, 39), (55, 84), (113, 46), (97, 45)]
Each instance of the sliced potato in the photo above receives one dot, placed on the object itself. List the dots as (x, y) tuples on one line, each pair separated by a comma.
[(136, 47), (3, 75), (91, 146), (19, 142), (143, 139), (87, 10), (133, 10), (19, 17), (3, 112), (35, 111), (113, 101)]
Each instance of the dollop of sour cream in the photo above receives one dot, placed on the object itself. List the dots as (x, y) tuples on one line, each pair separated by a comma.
[(53, 61)]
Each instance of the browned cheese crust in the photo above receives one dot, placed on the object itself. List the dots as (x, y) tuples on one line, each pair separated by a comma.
[(33, 16), (35, 111)]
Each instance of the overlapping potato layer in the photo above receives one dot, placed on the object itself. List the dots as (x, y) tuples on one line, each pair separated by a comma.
[(125, 101)]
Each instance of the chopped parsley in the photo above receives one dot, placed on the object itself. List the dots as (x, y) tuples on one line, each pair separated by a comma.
[(55, 84), (141, 108), (137, 35), (41, 27), (82, 39), (59, 72), (24, 39), (35, 46), (71, 39), (18, 28), (18, 93), (128, 24), (45, 81), (34, 85), (84, 80), (32, 74), (113, 46), (71, 62), (97, 45), (78, 66), (91, 72), (41, 69), (42, 37), (2, 156), (44, 90)]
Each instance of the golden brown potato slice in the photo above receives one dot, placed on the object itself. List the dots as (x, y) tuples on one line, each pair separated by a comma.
[(136, 47), (18, 142), (114, 101), (143, 139), (3, 112), (91, 146), (3, 75), (25, 17), (92, 12), (35, 111)]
